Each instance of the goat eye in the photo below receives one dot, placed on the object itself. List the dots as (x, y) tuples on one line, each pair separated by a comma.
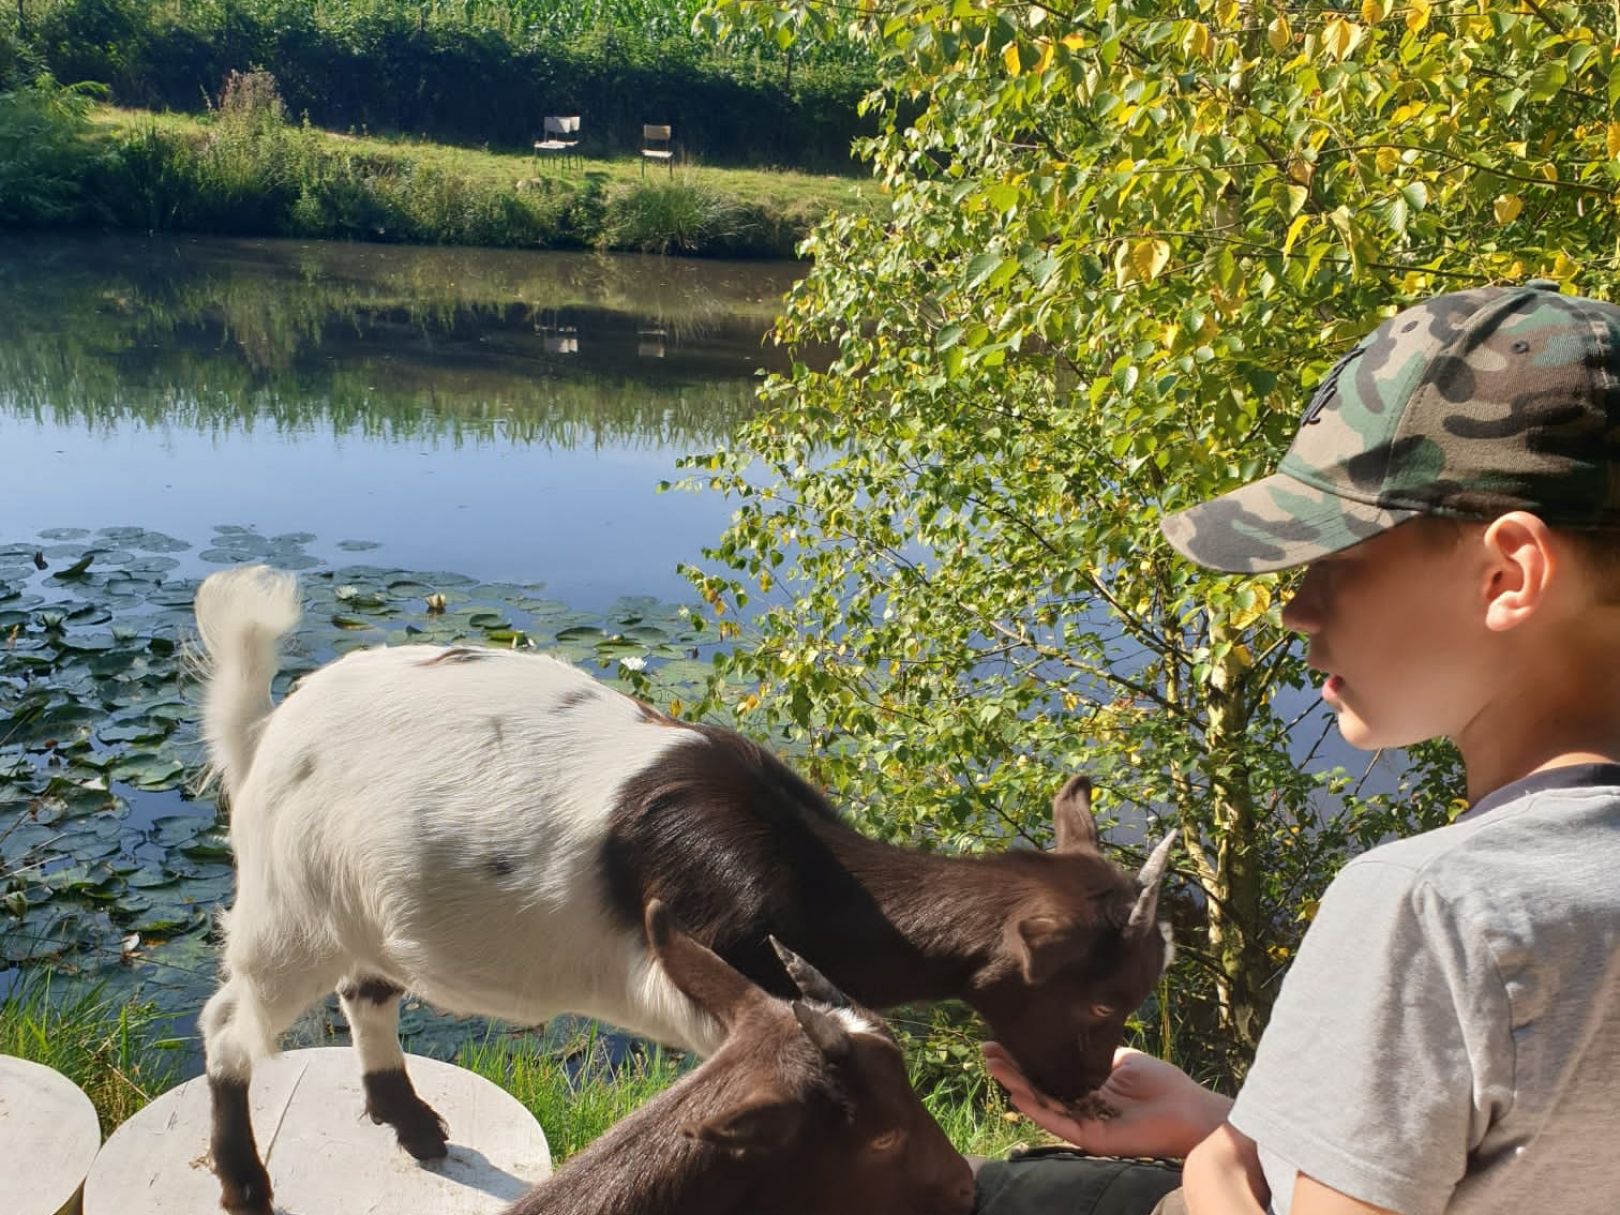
[(1102, 1011), (887, 1141)]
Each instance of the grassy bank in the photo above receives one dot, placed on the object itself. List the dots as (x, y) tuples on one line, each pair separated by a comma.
[(245, 169), (122, 1057), (375, 188)]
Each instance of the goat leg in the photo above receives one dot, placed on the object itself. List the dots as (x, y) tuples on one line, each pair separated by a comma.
[(391, 1099)]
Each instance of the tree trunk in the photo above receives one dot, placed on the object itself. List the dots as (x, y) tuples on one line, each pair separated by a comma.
[(1235, 920)]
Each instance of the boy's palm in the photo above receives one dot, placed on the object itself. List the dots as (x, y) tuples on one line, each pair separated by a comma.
[(1159, 1109)]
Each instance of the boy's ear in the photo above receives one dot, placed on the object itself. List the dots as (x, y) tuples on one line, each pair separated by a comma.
[(1521, 564)]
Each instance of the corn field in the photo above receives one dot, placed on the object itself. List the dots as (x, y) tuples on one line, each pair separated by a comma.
[(523, 22)]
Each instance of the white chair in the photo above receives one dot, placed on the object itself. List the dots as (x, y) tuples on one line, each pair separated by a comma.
[(557, 132), (651, 137)]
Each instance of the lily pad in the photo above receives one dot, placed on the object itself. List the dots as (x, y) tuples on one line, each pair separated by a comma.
[(148, 770)]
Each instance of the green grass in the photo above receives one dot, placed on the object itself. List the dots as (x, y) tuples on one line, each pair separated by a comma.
[(576, 1093), (119, 1054), (273, 178)]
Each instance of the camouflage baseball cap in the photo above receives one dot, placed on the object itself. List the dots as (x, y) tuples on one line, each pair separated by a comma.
[(1468, 405)]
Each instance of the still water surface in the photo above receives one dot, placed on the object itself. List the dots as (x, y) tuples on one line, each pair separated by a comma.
[(508, 415)]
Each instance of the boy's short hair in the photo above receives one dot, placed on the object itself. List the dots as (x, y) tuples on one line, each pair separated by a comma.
[(1465, 406), (1598, 552)]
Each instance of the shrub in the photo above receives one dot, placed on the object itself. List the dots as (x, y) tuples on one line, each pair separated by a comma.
[(46, 152), (671, 217)]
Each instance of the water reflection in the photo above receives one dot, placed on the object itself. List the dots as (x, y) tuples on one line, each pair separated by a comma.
[(555, 348)]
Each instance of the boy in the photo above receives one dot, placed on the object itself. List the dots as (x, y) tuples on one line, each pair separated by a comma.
[(1447, 1041)]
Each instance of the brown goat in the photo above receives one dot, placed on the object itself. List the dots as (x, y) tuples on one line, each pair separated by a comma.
[(804, 1110), (1055, 949)]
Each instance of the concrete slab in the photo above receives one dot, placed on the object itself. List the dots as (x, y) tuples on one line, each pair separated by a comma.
[(325, 1157), (48, 1137)]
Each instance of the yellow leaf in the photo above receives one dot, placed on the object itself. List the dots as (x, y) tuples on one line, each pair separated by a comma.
[(1074, 41), (1048, 49), (1227, 12), (1339, 37), (1388, 160), (1417, 16), (1196, 41), (1244, 617), (1614, 140), (1301, 221), (1149, 258), (1374, 11), (1010, 58), (1507, 208), (1278, 34)]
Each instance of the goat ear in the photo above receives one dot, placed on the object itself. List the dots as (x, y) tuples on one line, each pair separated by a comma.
[(701, 974), (1072, 819), (825, 1030), (762, 1123), (1040, 945)]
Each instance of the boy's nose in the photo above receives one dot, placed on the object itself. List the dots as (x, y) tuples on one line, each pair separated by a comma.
[(1303, 611)]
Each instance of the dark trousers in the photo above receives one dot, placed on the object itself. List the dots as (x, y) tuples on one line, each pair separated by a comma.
[(1059, 1182)]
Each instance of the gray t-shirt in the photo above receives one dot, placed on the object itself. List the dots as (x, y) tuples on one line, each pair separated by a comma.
[(1448, 1038)]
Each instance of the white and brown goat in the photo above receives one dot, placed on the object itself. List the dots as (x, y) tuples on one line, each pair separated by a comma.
[(484, 828), (805, 1108)]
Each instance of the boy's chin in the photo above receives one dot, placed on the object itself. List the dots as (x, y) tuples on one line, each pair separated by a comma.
[(1365, 736)]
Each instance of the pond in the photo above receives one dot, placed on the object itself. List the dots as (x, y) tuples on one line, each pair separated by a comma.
[(488, 429)]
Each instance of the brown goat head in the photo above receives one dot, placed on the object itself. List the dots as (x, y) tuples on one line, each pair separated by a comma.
[(1079, 954), (819, 1117)]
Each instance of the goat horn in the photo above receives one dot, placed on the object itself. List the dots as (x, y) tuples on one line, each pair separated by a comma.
[(1147, 903), (810, 981)]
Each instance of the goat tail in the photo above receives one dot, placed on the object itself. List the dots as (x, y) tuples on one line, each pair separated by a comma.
[(242, 615)]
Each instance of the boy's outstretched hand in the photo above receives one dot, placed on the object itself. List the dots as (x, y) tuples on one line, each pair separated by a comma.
[(1159, 1109)]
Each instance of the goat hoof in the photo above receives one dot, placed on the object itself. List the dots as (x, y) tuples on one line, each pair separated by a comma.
[(246, 1196), (436, 1148)]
